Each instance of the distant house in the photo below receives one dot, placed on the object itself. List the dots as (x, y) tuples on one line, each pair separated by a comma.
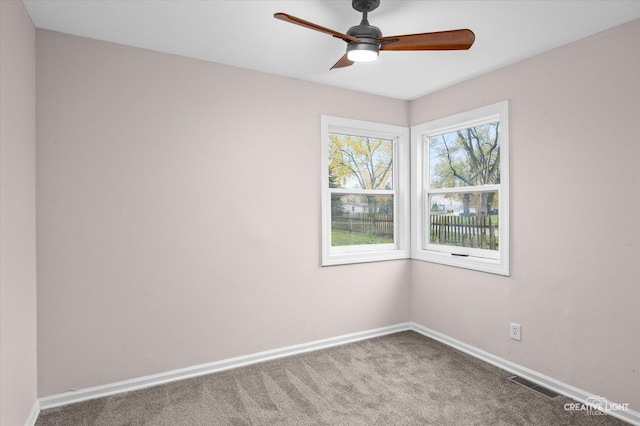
[(353, 206)]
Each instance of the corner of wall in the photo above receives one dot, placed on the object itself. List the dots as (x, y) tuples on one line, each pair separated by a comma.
[(18, 354)]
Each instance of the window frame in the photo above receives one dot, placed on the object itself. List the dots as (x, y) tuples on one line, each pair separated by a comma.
[(400, 248), (491, 261)]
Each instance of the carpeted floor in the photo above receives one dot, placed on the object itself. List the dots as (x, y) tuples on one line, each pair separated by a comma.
[(399, 379)]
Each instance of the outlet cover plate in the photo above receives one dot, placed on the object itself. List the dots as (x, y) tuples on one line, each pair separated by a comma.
[(516, 331)]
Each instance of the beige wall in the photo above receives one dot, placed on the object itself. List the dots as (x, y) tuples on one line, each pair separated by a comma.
[(179, 215), (575, 233), (17, 214)]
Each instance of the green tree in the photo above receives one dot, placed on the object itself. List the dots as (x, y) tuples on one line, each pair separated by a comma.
[(336, 206)]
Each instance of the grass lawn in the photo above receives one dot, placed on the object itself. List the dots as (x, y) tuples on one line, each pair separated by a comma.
[(346, 238)]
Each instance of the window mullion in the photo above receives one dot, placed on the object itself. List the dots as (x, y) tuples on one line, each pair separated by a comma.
[(464, 189), (362, 191)]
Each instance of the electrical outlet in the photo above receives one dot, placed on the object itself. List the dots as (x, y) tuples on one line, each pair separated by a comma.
[(516, 332)]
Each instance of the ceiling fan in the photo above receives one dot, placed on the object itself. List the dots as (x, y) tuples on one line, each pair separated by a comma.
[(364, 41)]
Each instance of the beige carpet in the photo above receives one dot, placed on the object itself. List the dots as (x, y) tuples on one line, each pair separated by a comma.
[(399, 379)]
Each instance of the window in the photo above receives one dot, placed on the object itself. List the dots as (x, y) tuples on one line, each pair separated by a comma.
[(460, 205), (365, 179)]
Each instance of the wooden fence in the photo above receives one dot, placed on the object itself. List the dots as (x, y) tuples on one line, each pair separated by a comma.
[(465, 231), (379, 224)]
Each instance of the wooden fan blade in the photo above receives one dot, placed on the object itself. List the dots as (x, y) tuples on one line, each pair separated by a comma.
[(311, 25), (343, 62), (442, 40)]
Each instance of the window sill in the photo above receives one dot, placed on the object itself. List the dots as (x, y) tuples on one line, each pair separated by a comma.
[(492, 266), (363, 257)]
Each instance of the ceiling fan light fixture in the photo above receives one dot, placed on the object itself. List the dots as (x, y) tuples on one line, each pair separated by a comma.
[(362, 52), (364, 41)]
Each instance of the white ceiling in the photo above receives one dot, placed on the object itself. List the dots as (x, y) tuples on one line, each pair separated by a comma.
[(243, 33)]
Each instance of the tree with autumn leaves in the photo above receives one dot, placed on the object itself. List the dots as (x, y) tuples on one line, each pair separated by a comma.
[(357, 162), (467, 157)]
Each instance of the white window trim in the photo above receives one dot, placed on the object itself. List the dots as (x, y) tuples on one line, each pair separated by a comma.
[(469, 258), (400, 249)]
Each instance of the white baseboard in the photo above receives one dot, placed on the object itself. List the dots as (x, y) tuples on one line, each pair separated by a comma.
[(213, 367), (569, 391), (33, 414), (574, 393)]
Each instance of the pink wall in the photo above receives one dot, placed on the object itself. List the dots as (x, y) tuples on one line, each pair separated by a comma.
[(575, 260), (179, 215), (179, 202), (17, 214)]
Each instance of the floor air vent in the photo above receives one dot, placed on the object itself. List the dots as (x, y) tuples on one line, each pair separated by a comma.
[(526, 383)]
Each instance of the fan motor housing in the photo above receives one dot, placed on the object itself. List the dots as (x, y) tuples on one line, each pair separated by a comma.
[(368, 36), (364, 31)]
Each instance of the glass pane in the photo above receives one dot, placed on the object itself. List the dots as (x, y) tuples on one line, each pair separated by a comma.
[(357, 162), (464, 220), (361, 219), (465, 157)]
